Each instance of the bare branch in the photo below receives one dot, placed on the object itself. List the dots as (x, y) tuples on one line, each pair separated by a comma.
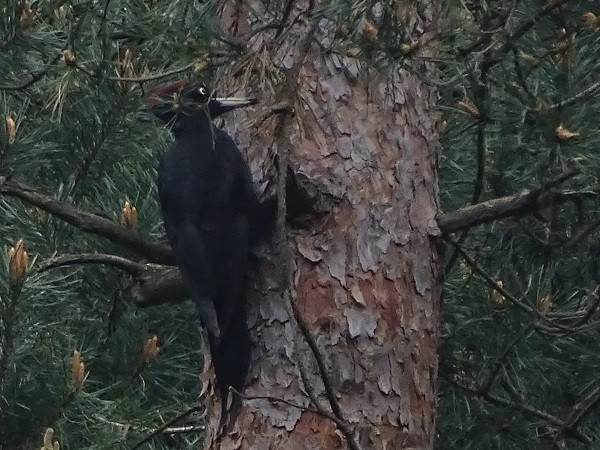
[(86, 221), (344, 426), (170, 430), (154, 284), (310, 340), (167, 424), (283, 401), (131, 267), (482, 97), (517, 205)]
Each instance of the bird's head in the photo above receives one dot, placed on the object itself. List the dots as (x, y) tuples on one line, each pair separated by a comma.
[(190, 100)]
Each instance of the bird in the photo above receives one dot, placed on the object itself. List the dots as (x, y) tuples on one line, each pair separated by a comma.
[(212, 218)]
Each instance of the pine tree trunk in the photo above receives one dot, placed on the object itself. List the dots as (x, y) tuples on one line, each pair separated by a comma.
[(364, 279)]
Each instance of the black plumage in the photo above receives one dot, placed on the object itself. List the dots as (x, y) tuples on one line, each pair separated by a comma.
[(212, 217)]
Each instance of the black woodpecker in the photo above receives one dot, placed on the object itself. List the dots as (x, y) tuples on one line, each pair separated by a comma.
[(212, 217)]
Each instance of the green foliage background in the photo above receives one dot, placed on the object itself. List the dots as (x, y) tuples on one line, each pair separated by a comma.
[(87, 138), (547, 260)]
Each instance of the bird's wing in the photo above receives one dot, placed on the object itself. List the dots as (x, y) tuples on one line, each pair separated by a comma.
[(193, 260), (261, 217)]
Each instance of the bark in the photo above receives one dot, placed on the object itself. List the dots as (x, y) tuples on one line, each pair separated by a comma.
[(346, 315)]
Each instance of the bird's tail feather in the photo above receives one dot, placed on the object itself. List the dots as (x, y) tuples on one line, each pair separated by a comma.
[(231, 360)]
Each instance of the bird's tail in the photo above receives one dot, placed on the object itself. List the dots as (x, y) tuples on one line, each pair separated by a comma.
[(231, 360)]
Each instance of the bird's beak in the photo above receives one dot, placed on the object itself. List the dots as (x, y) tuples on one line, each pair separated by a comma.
[(235, 102), (221, 105)]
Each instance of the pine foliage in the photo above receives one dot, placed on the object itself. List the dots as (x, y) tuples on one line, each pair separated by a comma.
[(76, 131), (521, 111)]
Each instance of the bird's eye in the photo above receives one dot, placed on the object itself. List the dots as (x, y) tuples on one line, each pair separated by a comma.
[(202, 90)]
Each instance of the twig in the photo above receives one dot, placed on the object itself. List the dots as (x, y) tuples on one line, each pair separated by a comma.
[(481, 91), (329, 393), (166, 425), (517, 205), (519, 31), (152, 77), (582, 234), (286, 14), (582, 409), (170, 430), (523, 306), (499, 362), (522, 406), (481, 98), (341, 424), (131, 267), (588, 314), (313, 409), (521, 75), (35, 77), (510, 388), (86, 221), (94, 149), (587, 91), (277, 108), (288, 92)]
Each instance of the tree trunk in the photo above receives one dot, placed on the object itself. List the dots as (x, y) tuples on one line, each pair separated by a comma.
[(346, 345)]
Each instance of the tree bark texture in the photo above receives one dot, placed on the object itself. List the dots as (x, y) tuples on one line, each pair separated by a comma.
[(364, 278)]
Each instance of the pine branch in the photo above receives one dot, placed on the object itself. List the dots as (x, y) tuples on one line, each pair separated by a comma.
[(156, 76), (534, 312), (502, 357), (482, 101), (521, 406), (158, 285), (86, 221), (587, 93), (154, 284), (131, 267), (523, 28), (518, 205), (33, 77), (166, 425), (583, 409)]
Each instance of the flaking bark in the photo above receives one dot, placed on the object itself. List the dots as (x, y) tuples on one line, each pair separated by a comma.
[(364, 279)]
